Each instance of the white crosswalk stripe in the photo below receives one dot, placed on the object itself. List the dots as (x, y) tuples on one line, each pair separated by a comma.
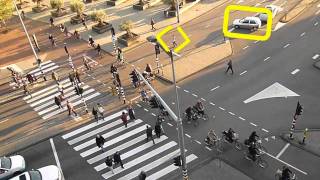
[(130, 141)]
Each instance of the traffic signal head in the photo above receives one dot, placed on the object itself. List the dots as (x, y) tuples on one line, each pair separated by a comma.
[(177, 161)]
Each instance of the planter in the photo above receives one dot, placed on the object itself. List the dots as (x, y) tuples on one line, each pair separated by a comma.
[(39, 9), (101, 29), (141, 7), (77, 19), (22, 5), (114, 2), (128, 42), (60, 13)]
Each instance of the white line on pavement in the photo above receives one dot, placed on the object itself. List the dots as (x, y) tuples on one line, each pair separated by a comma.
[(286, 45), (173, 103), (243, 119), (170, 124), (265, 59), (203, 99), (56, 156), (194, 95), (208, 148), (245, 47), (214, 88), (4, 121), (188, 135), (178, 87), (315, 56), (231, 113), (258, 4), (212, 103), (186, 91), (138, 105), (253, 124), (153, 114), (265, 130), (146, 109), (222, 108), (282, 150), (302, 34), (197, 141), (316, 23), (243, 73), (232, 29), (295, 71), (256, 42)]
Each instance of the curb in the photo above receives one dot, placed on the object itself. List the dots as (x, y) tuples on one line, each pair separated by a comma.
[(299, 13)]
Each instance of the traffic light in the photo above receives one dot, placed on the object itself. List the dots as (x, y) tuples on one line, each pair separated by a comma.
[(177, 161), (153, 102), (299, 109)]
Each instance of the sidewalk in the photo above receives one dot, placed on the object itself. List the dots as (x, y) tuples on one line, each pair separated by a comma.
[(217, 170), (312, 142)]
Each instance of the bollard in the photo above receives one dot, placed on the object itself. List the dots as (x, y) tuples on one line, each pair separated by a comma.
[(305, 132)]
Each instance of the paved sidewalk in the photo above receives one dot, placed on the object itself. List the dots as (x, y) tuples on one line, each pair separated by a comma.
[(312, 142)]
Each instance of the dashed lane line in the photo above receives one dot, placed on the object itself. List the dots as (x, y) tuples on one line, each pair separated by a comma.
[(194, 95), (315, 56), (146, 109), (295, 71), (243, 119), (222, 108), (208, 148), (197, 141), (178, 87), (265, 59), (264, 130), (302, 34), (315, 24), (243, 73), (287, 45), (153, 114), (203, 99), (138, 105), (186, 91), (231, 113), (170, 124), (212, 104), (245, 47), (214, 88), (256, 42), (253, 124), (188, 135)]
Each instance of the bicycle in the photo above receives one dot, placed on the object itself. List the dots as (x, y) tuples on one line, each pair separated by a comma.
[(235, 140), (203, 115), (278, 175), (194, 117), (217, 144), (262, 163), (259, 146)]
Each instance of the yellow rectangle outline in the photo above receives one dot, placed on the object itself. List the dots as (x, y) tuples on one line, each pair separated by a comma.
[(247, 36)]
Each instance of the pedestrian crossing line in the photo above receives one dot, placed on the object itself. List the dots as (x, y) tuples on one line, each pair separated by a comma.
[(50, 109), (95, 132), (92, 125), (140, 159), (113, 141), (35, 94), (151, 165), (43, 64), (43, 67), (120, 148), (74, 104), (47, 70), (134, 151), (170, 168), (50, 99)]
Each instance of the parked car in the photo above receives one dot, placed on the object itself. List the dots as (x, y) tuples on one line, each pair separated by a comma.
[(50, 172), (274, 9), (11, 166), (247, 23)]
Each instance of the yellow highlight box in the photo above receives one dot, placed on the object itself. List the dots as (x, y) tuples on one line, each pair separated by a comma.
[(229, 8)]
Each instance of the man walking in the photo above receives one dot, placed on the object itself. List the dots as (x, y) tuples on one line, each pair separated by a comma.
[(100, 111), (57, 100), (117, 77), (71, 78), (100, 142), (95, 114), (117, 159), (26, 89), (229, 67), (109, 163), (91, 41), (77, 75), (51, 21), (131, 112), (55, 77), (149, 134), (60, 88), (174, 42), (71, 108), (66, 49), (98, 48), (53, 42), (124, 118), (84, 23), (157, 129), (142, 175), (86, 63), (152, 24), (157, 49)]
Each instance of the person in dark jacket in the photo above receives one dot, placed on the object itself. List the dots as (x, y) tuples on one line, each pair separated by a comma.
[(157, 129), (229, 67), (131, 113), (142, 175), (117, 159), (100, 141), (149, 134), (124, 118), (95, 114), (109, 163), (57, 100)]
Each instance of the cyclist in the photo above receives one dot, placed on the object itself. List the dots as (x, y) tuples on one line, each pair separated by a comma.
[(253, 137), (199, 107), (229, 135), (189, 113), (286, 173), (211, 137), (253, 151)]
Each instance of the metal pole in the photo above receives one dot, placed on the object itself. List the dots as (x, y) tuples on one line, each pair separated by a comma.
[(179, 122), (25, 30), (178, 11)]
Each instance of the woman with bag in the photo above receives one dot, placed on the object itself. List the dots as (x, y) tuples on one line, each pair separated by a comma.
[(124, 118)]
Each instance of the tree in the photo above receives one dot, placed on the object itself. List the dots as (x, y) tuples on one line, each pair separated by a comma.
[(127, 26), (6, 10), (38, 2), (77, 6), (99, 16), (57, 4)]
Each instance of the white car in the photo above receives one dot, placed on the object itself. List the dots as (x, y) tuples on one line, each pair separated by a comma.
[(274, 9), (247, 23), (11, 166), (50, 172)]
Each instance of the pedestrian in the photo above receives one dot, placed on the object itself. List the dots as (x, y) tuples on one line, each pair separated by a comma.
[(117, 159), (144, 95), (157, 129), (152, 24), (65, 31), (57, 100), (66, 49), (229, 66), (157, 49), (26, 89), (76, 34), (71, 78), (23, 15), (118, 79), (149, 69), (160, 119), (98, 48), (55, 76), (83, 20), (77, 75), (61, 97), (86, 63), (51, 39), (100, 111), (95, 113), (79, 90), (109, 163), (124, 118), (113, 70), (60, 88), (71, 108), (51, 22), (91, 41), (100, 142), (30, 78), (149, 134), (131, 112), (174, 42), (142, 175), (120, 55), (113, 33), (135, 78), (61, 27)]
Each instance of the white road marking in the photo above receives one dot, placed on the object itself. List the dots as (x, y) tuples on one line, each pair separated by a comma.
[(98, 81), (203, 99), (273, 137), (145, 109), (240, 1), (186, 91), (265, 59), (197, 141), (282, 150), (231, 113), (243, 73), (208, 148), (212, 103), (215, 88), (243, 119), (222, 108), (279, 25), (255, 42), (274, 90), (153, 114), (170, 124), (232, 29), (188, 135), (178, 87), (265, 130), (302, 34), (295, 71), (55, 154), (138, 105), (173, 103), (315, 56), (245, 47), (4, 121), (267, 139), (258, 4), (287, 45), (253, 124), (315, 24), (194, 95)]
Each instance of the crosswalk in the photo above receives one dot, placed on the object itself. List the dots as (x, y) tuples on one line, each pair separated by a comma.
[(42, 101), (136, 153)]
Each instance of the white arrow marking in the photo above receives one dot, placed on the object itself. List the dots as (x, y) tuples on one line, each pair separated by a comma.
[(279, 25)]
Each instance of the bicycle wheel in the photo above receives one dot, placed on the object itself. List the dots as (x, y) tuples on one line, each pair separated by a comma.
[(262, 150), (238, 145), (262, 163)]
